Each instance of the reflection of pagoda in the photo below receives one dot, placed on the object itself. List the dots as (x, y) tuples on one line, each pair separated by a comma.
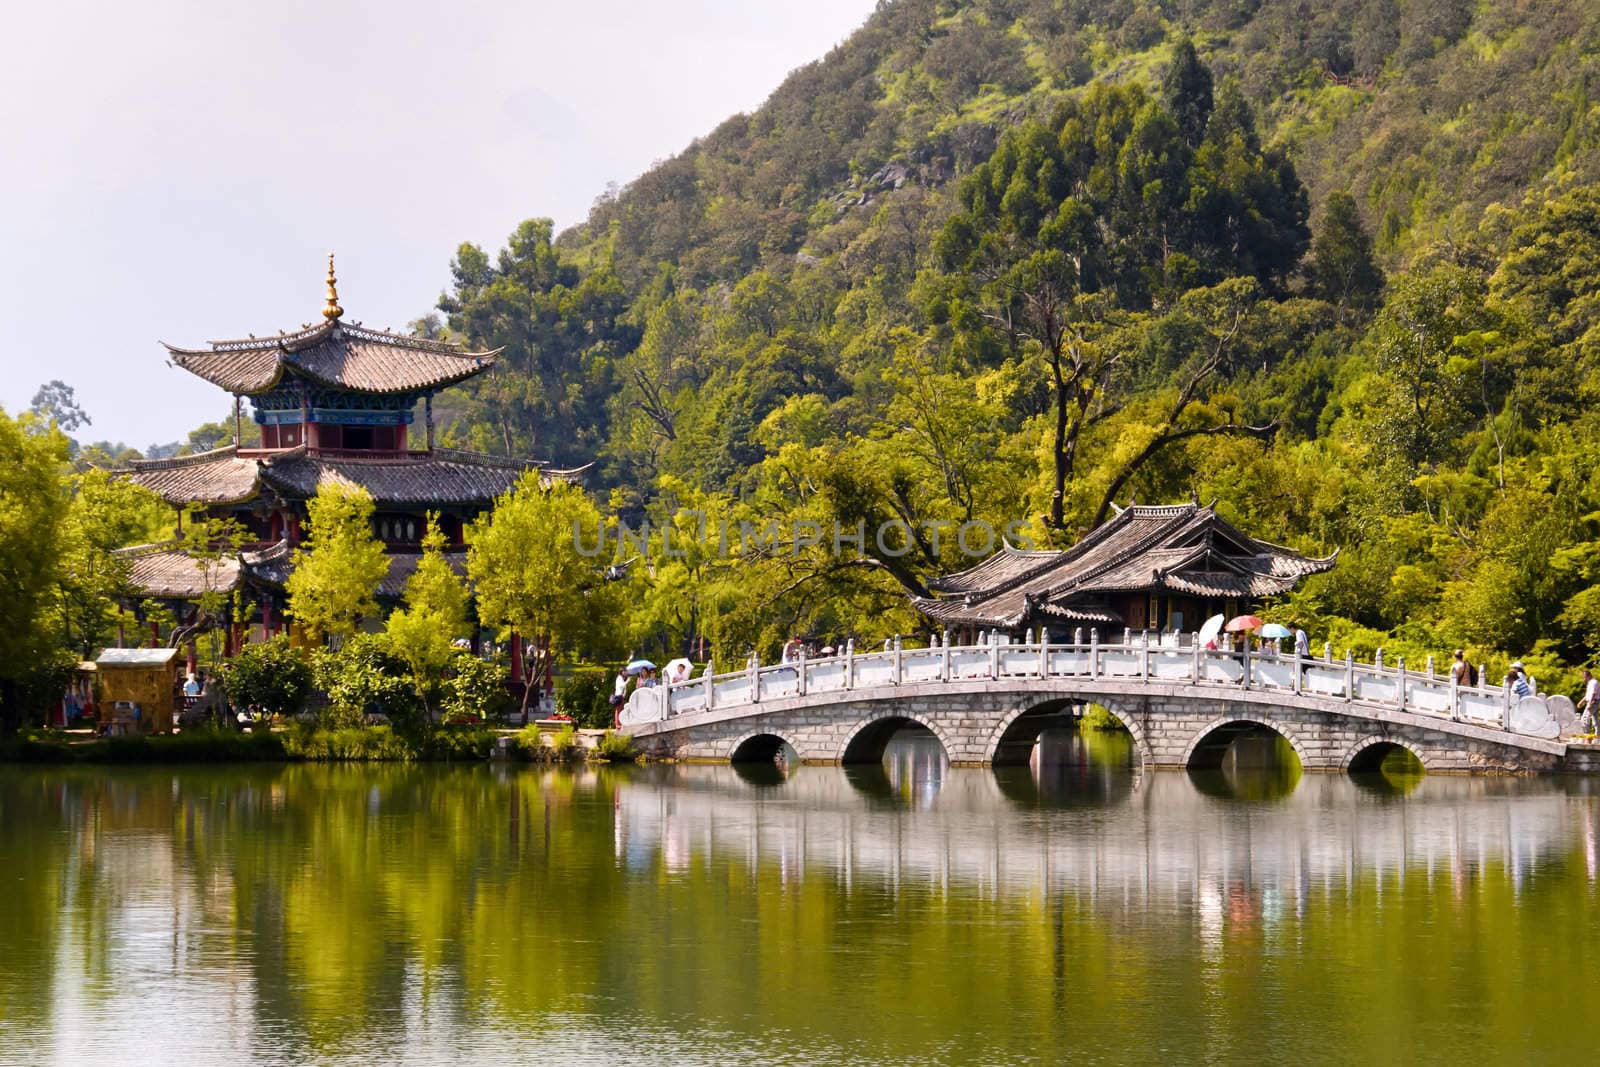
[(335, 403)]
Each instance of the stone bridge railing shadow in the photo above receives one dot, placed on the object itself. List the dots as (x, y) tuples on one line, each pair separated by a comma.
[(1137, 658)]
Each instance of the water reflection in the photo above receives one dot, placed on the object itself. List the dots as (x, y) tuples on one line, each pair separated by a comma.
[(1071, 768), (712, 914)]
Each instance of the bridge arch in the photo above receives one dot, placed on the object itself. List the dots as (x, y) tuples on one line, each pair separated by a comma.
[(1211, 741), (759, 746), (1014, 725), (1368, 753), (870, 736)]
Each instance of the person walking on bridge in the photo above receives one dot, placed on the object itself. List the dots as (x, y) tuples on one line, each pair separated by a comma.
[(1591, 691)]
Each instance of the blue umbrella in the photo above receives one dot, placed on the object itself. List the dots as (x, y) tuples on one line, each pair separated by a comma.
[(1273, 631), (639, 665)]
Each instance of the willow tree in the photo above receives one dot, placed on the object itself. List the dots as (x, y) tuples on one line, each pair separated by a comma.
[(335, 580), (533, 569)]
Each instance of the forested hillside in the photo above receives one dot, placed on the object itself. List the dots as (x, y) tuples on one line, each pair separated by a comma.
[(1333, 265)]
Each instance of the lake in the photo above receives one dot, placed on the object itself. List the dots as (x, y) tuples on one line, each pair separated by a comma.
[(908, 913)]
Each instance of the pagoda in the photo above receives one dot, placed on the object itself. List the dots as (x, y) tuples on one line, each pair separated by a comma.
[(1163, 568), (336, 403)]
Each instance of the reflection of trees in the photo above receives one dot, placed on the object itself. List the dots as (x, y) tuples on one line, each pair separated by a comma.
[(350, 904)]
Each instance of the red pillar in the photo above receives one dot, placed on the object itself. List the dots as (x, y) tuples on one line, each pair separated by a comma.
[(516, 656), (155, 634)]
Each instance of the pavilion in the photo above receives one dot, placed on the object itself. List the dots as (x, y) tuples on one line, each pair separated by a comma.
[(1164, 568), (336, 403)]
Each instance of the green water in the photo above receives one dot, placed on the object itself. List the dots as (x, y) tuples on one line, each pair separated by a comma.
[(908, 913)]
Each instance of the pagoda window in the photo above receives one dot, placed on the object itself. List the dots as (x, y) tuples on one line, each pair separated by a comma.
[(355, 437)]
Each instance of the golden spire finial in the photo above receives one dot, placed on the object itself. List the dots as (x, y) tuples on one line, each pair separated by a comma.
[(333, 310)]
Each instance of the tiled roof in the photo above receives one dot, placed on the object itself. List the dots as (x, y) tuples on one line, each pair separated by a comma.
[(1179, 548), (273, 566), (167, 572), (444, 476), (220, 476), (335, 354)]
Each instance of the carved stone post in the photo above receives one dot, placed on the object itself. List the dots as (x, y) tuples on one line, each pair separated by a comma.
[(850, 663), (1349, 676), (755, 677), (1094, 653), (994, 654), (800, 682), (895, 657), (1400, 688), (944, 658), (711, 689)]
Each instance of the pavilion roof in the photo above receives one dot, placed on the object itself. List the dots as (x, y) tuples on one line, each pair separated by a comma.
[(273, 565), (413, 479), (165, 571), (1184, 548), (336, 354)]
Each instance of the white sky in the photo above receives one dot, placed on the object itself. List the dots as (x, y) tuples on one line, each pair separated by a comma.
[(177, 170)]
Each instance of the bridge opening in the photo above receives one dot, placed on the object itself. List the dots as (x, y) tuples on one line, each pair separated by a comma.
[(1064, 754), (908, 754), (1386, 760), (1245, 761), (765, 748)]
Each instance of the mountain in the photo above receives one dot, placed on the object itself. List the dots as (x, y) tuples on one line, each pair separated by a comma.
[(1014, 261)]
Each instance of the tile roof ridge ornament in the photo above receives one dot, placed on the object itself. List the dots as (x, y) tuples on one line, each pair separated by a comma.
[(332, 311)]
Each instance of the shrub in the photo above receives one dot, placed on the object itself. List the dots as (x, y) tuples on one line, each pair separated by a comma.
[(564, 743), (530, 742), (366, 678), (346, 743), (459, 742), (474, 689), (271, 678), (586, 696), (616, 748)]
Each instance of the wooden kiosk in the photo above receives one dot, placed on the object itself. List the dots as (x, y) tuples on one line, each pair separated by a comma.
[(138, 690)]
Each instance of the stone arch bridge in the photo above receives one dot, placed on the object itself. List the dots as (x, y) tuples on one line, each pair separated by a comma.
[(1183, 706)]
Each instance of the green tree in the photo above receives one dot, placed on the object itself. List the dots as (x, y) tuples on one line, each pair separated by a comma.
[(422, 633), (335, 579), (1186, 91), (1343, 270), (56, 404), (33, 508), (270, 679), (532, 579), (106, 513)]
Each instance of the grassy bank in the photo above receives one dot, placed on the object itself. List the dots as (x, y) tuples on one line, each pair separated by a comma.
[(301, 743)]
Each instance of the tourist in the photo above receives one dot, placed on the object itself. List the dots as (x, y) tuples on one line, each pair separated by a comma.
[(1591, 690), (1527, 679), (1519, 682), (191, 686), (619, 696), (1302, 641), (1464, 674)]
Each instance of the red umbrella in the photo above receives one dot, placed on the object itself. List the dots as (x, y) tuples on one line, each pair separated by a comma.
[(1242, 623)]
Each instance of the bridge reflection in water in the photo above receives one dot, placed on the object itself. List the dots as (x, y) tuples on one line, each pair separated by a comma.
[(1252, 834)]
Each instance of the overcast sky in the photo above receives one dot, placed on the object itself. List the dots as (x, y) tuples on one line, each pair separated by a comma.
[(177, 170)]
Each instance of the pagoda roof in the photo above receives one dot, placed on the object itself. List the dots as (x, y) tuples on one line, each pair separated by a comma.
[(166, 571), (335, 354), (273, 565), (421, 479), (1184, 548)]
